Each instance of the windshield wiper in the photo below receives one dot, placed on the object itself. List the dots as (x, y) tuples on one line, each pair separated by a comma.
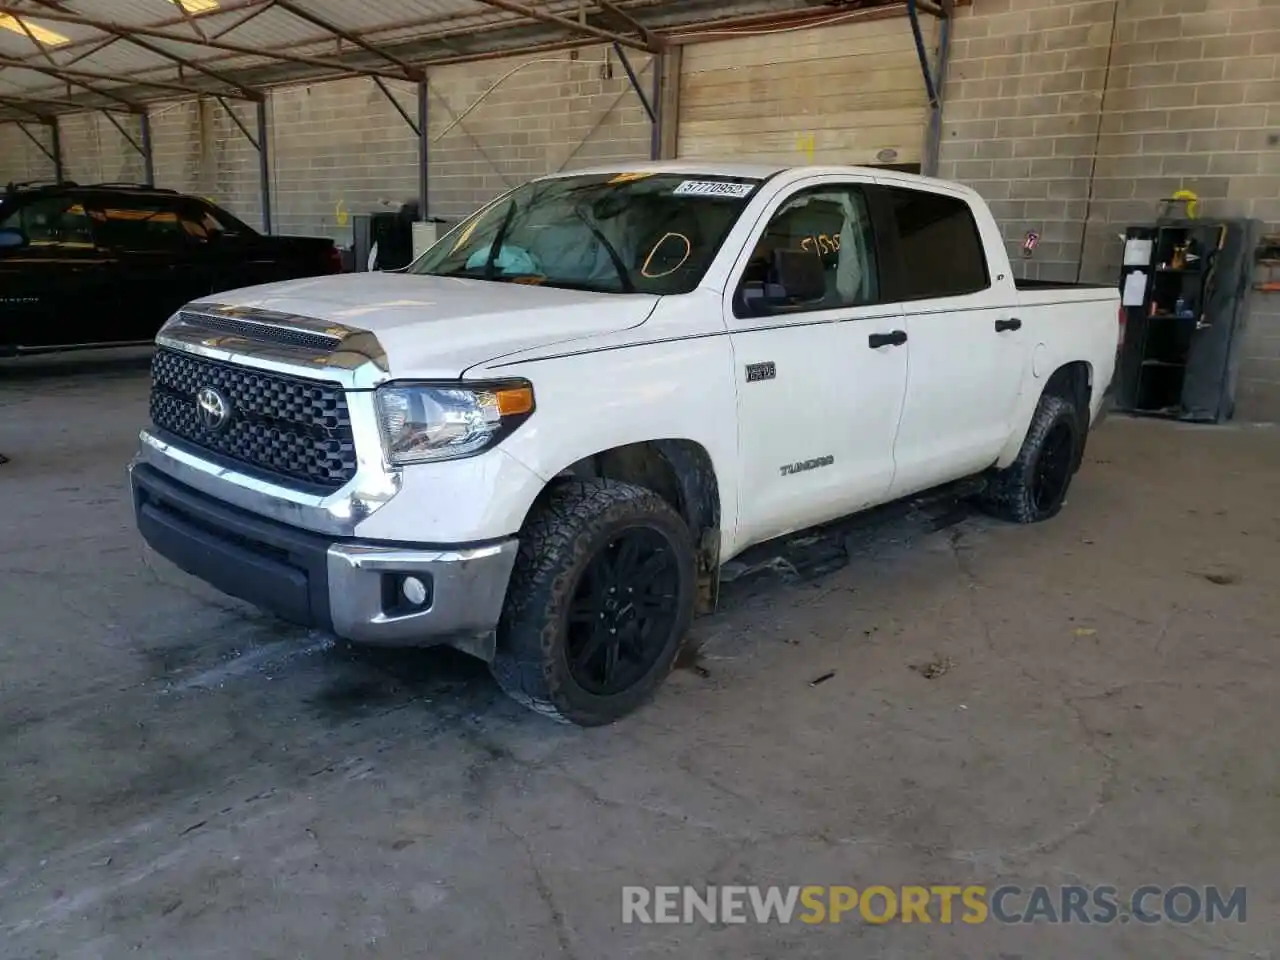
[(496, 247), (623, 274)]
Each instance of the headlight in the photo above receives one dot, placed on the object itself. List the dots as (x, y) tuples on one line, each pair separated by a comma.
[(422, 422)]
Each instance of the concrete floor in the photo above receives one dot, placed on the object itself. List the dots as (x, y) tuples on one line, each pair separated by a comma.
[(184, 778)]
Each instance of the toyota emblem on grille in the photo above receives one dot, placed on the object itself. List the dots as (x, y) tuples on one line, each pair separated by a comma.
[(213, 409)]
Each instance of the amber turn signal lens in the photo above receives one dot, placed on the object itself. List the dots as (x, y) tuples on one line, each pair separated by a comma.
[(514, 401)]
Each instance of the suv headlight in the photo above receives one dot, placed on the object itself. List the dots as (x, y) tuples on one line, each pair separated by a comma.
[(423, 422)]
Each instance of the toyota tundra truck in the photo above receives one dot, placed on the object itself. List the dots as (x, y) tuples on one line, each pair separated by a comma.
[(540, 442)]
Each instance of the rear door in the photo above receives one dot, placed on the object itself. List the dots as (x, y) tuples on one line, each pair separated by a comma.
[(820, 384), (968, 348)]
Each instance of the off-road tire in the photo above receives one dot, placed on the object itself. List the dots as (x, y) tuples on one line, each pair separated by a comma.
[(576, 519), (1010, 493)]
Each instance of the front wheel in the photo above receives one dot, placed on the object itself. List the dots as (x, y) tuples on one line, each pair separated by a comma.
[(1034, 487), (600, 598)]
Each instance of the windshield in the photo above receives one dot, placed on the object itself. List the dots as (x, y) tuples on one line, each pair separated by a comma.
[(614, 233)]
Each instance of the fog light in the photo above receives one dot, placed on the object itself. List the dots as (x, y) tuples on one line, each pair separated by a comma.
[(414, 590)]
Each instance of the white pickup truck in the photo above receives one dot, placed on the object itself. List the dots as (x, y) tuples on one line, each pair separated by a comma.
[(540, 442)]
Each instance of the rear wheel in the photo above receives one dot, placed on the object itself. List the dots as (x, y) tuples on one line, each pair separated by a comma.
[(600, 599), (1034, 487)]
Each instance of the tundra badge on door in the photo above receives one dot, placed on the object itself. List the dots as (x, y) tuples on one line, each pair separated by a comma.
[(787, 469)]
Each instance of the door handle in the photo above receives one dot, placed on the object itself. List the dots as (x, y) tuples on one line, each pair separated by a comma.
[(895, 339), (1003, 325)]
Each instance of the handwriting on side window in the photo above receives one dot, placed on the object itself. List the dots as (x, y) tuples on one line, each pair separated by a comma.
[(822, 243)]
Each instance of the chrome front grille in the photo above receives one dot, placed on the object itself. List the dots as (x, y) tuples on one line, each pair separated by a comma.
[(291, 427)]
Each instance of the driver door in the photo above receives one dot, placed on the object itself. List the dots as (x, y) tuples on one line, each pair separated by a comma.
[(820, 383)]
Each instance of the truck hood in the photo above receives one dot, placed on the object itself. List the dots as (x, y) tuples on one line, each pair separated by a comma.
[(439, 326)]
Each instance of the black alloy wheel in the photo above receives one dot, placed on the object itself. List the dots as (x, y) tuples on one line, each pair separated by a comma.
[(600, 598), (623, 611)]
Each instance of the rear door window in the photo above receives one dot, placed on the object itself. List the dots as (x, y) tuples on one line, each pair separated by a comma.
[(939, 246), (138, 223)]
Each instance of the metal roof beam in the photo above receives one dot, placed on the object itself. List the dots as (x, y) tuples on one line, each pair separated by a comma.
[(136, 31), (96, 48), (511, 6), (19, 104), (75, 78), (124, 34), (611, 8), (191, 21), (32, 37), (254, 12), (42, 101), (411, 71)]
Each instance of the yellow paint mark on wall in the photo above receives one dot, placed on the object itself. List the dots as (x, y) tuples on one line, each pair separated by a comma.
[(340, 215), (805, 143)]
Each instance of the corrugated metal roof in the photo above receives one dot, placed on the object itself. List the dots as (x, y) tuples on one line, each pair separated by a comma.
[(257, 43)]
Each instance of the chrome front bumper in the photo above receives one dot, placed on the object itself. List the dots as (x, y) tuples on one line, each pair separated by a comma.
[(350, 588), (467, 587)]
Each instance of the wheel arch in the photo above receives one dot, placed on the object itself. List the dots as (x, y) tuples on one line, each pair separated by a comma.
[(1073, 381), (682, 472)]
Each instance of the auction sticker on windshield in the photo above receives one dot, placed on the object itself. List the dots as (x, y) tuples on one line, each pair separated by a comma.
[(714, 188)]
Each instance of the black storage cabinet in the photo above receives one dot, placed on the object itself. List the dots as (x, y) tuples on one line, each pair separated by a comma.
[(1180, 354)]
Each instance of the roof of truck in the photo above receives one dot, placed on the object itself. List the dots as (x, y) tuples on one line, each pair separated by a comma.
[(754, 171)]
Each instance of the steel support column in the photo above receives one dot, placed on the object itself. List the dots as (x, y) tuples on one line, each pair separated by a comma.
[(148, 160), (424, 150), (55, 141), (264, 166), (923, 54), (658, 65), (669, 102), (934, 76), (933, 147)]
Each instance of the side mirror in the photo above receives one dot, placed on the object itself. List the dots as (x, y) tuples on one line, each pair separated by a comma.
[(11, 238), (792, 278)]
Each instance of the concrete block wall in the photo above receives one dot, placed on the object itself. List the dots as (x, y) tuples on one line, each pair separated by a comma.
[(198, 149), (553, 113), (1020, 121), (338, 148), (1166, 94), (20, 159), (94, 151), (341, 147)]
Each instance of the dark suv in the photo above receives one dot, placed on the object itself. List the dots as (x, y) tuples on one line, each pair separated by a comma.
[(106, 265)]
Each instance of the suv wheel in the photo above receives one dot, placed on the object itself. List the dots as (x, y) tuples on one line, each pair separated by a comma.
[(600, 598)]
